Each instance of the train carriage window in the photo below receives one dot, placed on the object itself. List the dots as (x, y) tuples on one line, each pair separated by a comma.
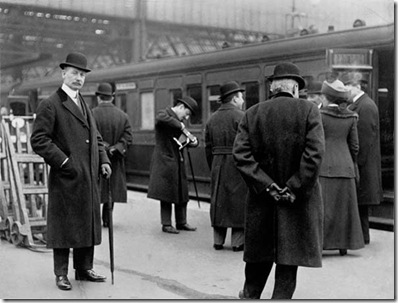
[(252, 93), (214, 95), (147, 111), (121, 101), (195, 91), (175, 95), (18, 108)]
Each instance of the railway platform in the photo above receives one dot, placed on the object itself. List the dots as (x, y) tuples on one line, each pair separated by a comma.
[(150, 264)]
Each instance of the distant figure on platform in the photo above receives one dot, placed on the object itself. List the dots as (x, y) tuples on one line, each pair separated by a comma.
[(370, 190), (314, 93), (65, 135), (278, 150), (114, 127), (168, 181), (228, 189), (342, 226)]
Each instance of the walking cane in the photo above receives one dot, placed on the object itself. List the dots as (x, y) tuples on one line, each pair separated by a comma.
[(193, 176), (110, 211)]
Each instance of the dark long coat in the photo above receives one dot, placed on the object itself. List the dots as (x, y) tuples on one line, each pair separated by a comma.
[(342, 226), (370, 190), (168, 180), (60, 131), (228, 189), (282, 141), (114, 127)]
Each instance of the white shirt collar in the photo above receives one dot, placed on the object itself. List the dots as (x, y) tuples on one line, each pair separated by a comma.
[(357, 96), (70, 92)]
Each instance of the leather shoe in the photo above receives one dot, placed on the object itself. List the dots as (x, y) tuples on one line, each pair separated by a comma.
[(89, 275), (186, 227), (241, 294), (238, 248), (218, 246), (343, 252), (169, 229), (63, 283)]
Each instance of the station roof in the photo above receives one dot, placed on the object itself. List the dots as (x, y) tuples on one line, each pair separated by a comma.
[(252, 15)]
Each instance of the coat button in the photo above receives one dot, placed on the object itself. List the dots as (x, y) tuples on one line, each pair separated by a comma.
[(87, 141)]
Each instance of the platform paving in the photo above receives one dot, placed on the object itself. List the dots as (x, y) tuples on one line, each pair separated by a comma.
[(150, 264)]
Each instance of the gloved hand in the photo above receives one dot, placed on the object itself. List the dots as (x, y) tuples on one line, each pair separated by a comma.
[(274, 191), (106, 170), (287, 195)]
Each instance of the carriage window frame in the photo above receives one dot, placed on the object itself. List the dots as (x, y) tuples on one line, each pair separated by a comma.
[(147, 110), (197, 119), (213, 95), (175, 94), (245, 94)]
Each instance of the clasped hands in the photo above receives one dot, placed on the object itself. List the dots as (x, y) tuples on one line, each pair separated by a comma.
[(281, 195)]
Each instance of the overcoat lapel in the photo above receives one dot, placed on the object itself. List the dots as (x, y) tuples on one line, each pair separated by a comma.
[(74, 109)]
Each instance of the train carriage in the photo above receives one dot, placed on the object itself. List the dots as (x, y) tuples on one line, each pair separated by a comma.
[(144, 88)]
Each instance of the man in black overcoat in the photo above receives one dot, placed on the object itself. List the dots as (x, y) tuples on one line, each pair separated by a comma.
[(228, 190), (65, 135), (168, 181), (115, 129), (370, 190), (278, 150)]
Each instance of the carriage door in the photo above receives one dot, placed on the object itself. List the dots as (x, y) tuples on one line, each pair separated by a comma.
[(357, 61), (376, 67)]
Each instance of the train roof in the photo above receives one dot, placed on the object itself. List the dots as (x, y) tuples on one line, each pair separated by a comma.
[(274, 50)]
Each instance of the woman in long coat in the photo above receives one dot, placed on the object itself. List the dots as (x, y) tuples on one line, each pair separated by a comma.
[(342, 226)]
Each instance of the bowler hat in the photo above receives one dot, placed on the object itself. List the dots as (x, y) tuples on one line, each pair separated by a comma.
[(190, 103), (76, 60), (314, 87), (336, 90), (287, 70), (104, 89), (229, 88)]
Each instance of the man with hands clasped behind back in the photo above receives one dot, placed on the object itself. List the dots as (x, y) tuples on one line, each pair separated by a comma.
[(115, 129), (278, 150)]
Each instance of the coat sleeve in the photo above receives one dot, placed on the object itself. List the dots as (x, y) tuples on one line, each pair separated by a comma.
[(256, 179), (42, 135), (311, 158), (208, 147), (352, 140), (368, 128), (103, 157), (165, 119), (125, 139)]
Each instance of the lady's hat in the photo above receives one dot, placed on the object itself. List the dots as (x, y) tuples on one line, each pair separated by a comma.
[(336, 90), (287, 70), (104, 89), (190, 103), (76, 60), (229, 88)]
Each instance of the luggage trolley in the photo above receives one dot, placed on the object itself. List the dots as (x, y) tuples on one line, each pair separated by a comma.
[(23, 185)]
